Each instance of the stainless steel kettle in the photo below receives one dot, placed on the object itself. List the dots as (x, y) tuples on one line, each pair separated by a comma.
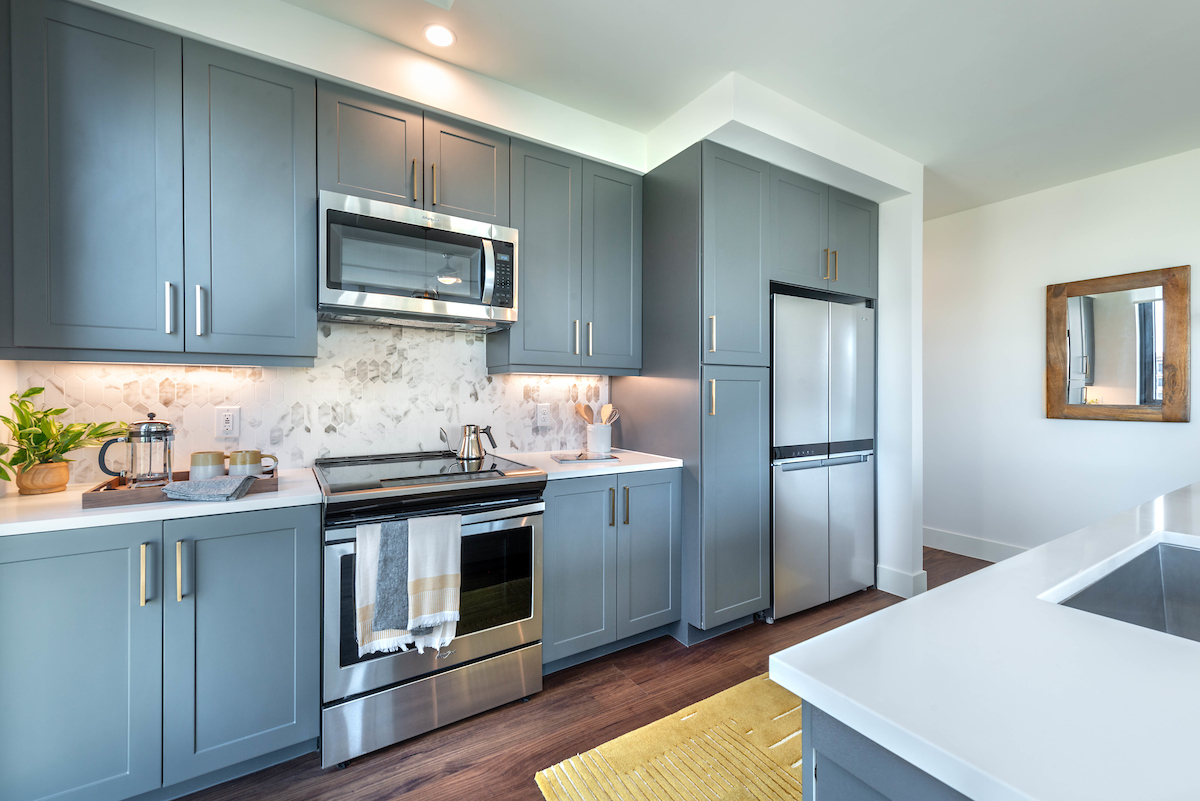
[(471, 449)]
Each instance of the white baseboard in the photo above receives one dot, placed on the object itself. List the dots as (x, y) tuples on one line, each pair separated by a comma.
[(966, 545), (897, 582)]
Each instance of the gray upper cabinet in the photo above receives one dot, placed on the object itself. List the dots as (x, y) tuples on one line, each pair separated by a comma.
[(98, 170), (612, 268), (86, 727), (251, 205), (466, 171), (735, 493), (648, 542), (546, 197), (736, 286), (368, 146), (241, 650), (799, 227), (579, 566), (853, 244)]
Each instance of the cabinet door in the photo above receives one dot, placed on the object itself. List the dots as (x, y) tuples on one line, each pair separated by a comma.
[(851, 526), (648, 541), (736, 286), (98, 232), (612, 267), (466, 171), (735, 491), (799, 228), (241, 653), (580, 562), (853, 244), (367, 146), (81, 661), (251, 205), (545, 204)]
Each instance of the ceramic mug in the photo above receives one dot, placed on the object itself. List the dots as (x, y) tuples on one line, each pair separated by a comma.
[(207, 464), (249, 463)]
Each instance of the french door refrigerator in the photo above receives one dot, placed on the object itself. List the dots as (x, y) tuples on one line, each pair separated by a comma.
[(822, 451)]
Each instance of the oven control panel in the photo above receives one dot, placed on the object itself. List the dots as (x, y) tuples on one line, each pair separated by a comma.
[(502, 293)]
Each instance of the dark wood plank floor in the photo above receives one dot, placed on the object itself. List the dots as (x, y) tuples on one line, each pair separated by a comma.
[(495, 755)]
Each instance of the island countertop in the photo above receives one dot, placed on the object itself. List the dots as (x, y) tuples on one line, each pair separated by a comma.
[(627, 462), (1004, 695)]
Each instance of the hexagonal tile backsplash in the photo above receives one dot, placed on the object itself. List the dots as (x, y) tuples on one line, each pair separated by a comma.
[(371, 390)]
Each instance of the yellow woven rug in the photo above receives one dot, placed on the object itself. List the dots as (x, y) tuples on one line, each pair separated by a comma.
[(737, 745)]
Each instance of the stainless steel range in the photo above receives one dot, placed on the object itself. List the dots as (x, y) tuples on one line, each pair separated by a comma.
[(373, 701)]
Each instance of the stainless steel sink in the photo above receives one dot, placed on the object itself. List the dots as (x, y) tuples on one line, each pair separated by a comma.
[(1160, 590)]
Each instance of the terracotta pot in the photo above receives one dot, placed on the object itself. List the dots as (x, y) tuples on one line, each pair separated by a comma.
[(42, 479)]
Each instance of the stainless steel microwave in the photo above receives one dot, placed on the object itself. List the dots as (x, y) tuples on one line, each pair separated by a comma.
[(382, 263)]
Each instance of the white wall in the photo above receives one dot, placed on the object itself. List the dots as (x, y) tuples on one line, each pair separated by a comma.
[(996, 470)]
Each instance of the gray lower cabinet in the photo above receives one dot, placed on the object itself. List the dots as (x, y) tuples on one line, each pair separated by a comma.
[(799, 229), (241, 644), (81, 663), (368, 146), (99, 175), (611, 559), (250, 205), (466, 171), (612, 268), (735, 493), (853, 244), (734, 257)]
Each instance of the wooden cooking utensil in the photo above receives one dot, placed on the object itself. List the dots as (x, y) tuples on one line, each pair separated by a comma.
[(605, 412), (584, 411)]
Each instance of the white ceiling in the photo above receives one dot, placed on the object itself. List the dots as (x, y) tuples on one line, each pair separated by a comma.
[(996, 99)]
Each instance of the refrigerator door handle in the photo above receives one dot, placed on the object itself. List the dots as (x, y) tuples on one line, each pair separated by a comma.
[(809, 465), (844, 460)]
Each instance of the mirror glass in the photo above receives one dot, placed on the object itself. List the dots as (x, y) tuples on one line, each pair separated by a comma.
[(1115, 348)]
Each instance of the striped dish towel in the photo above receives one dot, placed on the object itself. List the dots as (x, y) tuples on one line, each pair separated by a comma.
[(434, 579)]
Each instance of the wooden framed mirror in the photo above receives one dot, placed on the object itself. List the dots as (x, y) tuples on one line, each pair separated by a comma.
[(1118, 348)]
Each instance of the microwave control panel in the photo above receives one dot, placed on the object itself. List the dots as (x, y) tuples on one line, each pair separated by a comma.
[(502, 293)]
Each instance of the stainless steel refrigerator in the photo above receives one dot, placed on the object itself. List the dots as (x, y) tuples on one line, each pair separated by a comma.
[(822, 451)]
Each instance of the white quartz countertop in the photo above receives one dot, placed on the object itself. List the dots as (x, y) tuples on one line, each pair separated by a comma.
[(1003, 695), (27, 514), (627, 462)]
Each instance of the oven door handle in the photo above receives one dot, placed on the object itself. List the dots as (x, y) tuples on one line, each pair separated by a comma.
[(511, 516), (489, 271)]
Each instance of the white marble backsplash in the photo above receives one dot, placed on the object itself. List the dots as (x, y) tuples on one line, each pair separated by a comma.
[(371, 390)]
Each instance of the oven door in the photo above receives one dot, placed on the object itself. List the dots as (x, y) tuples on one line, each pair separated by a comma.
[(381, 258), (500, 606)]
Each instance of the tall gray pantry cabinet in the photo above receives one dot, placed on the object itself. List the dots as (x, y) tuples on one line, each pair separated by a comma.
[(123, 675), (115, 126)]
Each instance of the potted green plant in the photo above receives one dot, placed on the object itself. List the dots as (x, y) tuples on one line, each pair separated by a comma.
[(40, 444)]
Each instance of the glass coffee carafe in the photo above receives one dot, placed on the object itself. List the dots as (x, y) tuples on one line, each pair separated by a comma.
[(148, 453)]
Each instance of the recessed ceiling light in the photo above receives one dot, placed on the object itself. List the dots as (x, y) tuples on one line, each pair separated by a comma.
[(439, 35)]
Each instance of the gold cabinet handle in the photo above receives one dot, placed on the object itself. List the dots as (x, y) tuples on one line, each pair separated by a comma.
[(415, 181), (835, 265), (612, 506), (589, 339), (576, 337), (627, 506), (144, 546), (712, 334), (178, 570), (435, 183), (712, 386), (825, 277)]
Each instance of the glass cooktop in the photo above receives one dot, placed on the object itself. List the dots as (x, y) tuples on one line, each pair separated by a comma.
[(359, 474)]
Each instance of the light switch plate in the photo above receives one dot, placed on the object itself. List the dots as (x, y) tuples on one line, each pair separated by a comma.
[(229, 422), (543, 415)]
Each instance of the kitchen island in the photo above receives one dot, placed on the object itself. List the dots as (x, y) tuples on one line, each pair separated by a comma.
[(987, 688)]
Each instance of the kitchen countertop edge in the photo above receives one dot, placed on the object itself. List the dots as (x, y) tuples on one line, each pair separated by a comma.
[(631, 462)]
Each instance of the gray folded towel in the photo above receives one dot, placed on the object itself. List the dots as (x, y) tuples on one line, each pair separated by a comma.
[(391, 586), (221, 488)]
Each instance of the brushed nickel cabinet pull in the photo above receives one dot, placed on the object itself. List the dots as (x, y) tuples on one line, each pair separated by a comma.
[(589, 339), (199, 310), (415, 181), (835, 265), (712, 386), (435, 183), (178, 570), (712, 334), (612, 506), (825, 277), (144, 574), (576, 337), (627, 506), (170, 301)]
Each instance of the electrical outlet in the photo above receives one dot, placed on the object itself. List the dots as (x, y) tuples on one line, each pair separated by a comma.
[(543, 415), (229, 422)]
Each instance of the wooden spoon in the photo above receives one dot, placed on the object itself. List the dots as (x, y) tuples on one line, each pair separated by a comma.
[(584, 411), (605, 411)]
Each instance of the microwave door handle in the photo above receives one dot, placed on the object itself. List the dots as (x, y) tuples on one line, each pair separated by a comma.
[(489, 271)]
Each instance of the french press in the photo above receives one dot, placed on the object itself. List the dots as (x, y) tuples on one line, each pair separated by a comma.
[(148, 461)]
